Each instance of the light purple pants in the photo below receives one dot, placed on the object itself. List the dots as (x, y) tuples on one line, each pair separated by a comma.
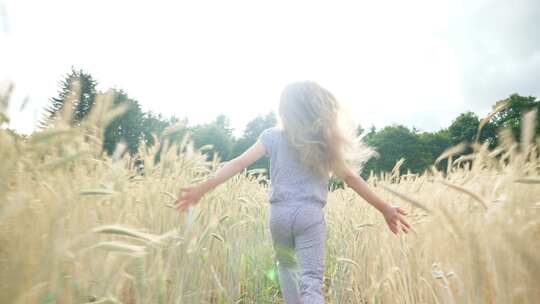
[(299, 239)]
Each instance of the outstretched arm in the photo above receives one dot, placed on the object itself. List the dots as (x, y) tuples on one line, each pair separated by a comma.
[(392, 215), (193, 194)]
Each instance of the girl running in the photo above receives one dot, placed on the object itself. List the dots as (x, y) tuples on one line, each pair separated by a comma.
[(309, 144)]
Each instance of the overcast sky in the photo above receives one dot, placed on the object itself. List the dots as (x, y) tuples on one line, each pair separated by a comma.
[(418, 63)]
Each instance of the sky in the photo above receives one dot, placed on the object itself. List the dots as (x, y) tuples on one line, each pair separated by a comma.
[(419, 63)]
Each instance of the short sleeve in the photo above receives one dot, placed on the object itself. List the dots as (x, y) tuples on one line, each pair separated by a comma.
[(267, 139)]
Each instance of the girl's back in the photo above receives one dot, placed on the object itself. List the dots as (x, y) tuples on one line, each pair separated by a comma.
[(290, 181)]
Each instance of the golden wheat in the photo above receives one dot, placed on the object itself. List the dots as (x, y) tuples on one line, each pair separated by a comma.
[(78, 227)]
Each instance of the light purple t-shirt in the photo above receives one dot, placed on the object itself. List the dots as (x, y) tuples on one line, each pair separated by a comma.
[(290, 182)]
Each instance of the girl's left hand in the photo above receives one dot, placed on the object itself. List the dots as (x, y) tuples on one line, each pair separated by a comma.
[(192, 195)]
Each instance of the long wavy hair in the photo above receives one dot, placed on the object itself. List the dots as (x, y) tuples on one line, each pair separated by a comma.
[(319, 129)]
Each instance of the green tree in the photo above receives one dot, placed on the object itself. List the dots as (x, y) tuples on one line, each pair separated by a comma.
[(393, 143), (434, 144), (464, 128), (511, 116), (218, 133), (372, 131), (78, 88), (154, 125), (127, 127)]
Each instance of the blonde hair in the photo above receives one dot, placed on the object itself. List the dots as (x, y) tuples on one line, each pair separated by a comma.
[(318, 128)]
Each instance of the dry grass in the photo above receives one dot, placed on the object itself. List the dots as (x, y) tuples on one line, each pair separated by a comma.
[(78, 227)]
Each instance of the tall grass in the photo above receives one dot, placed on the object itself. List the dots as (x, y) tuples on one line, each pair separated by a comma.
[(77, 226)]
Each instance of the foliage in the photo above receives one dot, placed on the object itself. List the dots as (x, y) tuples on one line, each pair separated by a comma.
[(510, 117), (419, 149), (77, 91), (218, 133), (393, 143), (126, 127), (463, 128), (434, 144), (153, 126)]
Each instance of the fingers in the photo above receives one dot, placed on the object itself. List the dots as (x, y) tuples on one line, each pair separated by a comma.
[(398, 223), (404, 222), (182, 203), (182, 206), (394, 229), (392, 225), (405, 227)]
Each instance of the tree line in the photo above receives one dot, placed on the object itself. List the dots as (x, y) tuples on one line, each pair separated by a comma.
[(78, 91), (420, 149)]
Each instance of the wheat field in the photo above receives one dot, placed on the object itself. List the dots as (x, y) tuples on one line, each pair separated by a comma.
[(77, 226)]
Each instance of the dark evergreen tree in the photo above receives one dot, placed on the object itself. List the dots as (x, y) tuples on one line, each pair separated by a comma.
[(77, 88)]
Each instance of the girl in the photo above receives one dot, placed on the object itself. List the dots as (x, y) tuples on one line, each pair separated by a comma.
[(309, 144)]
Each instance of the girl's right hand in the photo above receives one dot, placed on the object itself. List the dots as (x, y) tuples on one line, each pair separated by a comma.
[(192, 195), (394, 217)]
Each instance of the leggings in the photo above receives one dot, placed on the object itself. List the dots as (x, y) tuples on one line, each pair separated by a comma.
[(299, 238)]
